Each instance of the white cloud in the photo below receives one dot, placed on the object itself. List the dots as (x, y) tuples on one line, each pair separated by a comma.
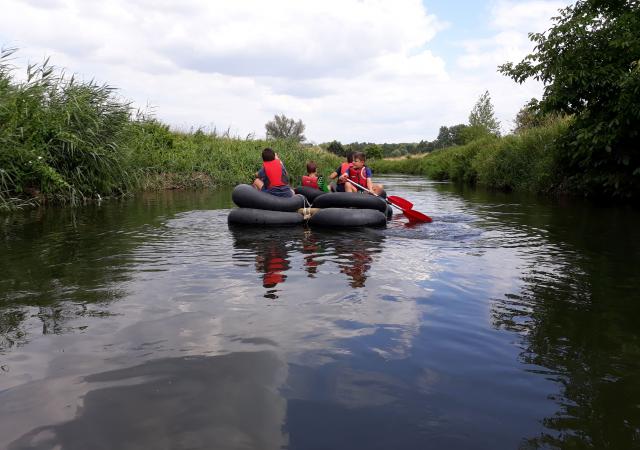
[(511, 21), (351, 70)]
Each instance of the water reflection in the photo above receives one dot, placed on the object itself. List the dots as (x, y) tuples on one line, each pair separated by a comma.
[(269, 248), (272, 249), (576, 314), (227, 401)]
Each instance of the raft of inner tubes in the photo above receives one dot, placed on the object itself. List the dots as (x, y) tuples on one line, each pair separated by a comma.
[(311, 206)]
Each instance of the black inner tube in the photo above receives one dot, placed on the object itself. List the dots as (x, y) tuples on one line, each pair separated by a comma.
[(246, 196)]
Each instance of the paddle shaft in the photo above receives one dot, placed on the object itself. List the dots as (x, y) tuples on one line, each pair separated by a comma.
[(411, 214), (373, 193)]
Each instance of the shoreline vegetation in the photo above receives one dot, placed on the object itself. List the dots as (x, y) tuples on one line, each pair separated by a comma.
[(527, 161), (68, 141)]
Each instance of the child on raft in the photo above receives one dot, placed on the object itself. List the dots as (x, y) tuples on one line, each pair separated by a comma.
[(311, 178), (338, 186), (272, 178), (359, 173)]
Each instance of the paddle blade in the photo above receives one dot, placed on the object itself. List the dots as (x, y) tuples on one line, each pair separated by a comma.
[(416, 216), (400, 202)]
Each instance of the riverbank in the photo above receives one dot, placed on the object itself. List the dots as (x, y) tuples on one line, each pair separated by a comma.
[(148, 157), (528, 161), (69, 141)]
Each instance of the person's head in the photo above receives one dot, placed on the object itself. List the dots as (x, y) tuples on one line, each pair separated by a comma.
[(350, 157), (358, 160), (268, 154), (311, 167)]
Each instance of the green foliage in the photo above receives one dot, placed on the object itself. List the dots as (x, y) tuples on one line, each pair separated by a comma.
[(196, 160), (61, 138), (281, 127), (528, 161), (450, 136), (473, 132), (336, 148), (482, 115), (373, 151), (589, 62)]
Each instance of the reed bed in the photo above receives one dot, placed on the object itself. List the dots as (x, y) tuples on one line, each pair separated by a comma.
[(60, 138), (65, 140)]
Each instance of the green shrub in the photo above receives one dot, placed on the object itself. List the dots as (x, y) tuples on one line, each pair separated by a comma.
[(528, 161)]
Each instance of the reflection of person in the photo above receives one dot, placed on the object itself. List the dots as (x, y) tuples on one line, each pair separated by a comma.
[(270, 250), (361, 174), (357, 266), (310, 248), (356, 255), (272, 177), (273, 262)]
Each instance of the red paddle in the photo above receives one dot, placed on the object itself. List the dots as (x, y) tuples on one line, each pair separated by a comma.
[(399, 201), (412, 215)]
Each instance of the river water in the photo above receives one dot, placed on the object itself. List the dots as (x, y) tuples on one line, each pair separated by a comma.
[(509, 322)]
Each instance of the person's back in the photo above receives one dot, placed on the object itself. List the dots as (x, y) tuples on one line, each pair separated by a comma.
[(311, 178), (272, 178)]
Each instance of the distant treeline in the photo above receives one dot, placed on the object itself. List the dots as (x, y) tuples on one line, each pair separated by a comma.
[(447, 137)]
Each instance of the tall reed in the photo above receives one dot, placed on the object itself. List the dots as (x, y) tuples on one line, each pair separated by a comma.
[(60, 138)]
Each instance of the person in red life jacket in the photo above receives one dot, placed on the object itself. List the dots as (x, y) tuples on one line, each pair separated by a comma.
[(361, 174), (272, 178), (311, 178), (338, 186)]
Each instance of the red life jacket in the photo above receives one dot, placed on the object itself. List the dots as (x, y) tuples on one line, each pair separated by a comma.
[(310, 181), (358, 175), (273, 171), (344, 167)]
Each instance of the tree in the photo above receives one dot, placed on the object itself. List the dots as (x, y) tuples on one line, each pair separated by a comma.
[(281, 127), (589, 61), (373, 151), (482, 115), (336, 148)]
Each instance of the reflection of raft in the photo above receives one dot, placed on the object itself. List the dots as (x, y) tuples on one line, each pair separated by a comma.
[(333, 210)]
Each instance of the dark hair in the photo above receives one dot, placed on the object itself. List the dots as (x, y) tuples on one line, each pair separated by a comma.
[(350, 157), (311, 167), (268, 154), (359, 156)]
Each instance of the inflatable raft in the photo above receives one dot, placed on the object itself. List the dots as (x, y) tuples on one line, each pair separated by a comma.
[(311, 206)]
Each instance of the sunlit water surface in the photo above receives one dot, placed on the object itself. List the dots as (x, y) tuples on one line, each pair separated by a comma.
[(509, 322)]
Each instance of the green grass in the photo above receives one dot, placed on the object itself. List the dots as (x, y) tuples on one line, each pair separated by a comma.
[(181, 160)]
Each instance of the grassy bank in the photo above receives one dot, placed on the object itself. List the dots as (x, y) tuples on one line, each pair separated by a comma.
[(68, 141), (166, 159), (528, 161)]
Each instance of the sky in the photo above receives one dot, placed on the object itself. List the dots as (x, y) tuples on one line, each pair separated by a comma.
[(351, 70)]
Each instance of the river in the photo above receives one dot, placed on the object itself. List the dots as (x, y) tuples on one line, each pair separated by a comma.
[(509, 322)]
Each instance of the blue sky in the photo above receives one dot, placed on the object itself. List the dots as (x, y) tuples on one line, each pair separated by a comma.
[(352, 70), (466, 20)]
